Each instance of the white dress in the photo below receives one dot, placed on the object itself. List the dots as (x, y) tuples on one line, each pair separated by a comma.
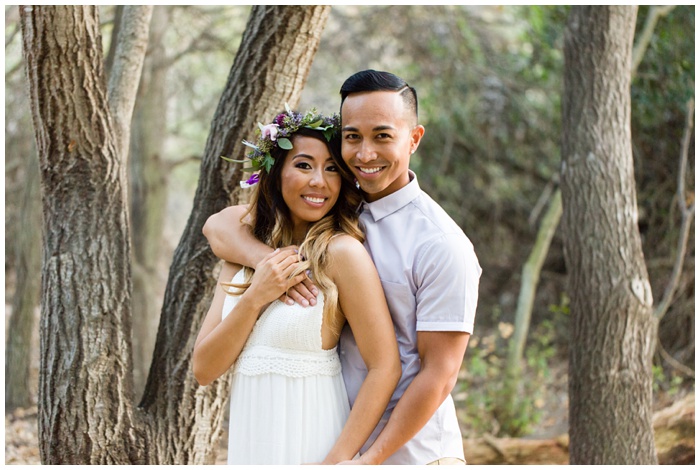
[(288, 398)]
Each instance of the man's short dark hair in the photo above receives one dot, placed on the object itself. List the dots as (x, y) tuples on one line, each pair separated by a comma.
[(372, 80)]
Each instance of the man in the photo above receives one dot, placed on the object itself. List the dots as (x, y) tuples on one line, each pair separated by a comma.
[(427, 265)]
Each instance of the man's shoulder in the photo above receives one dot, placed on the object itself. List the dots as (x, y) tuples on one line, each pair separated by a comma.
[(426, 208)]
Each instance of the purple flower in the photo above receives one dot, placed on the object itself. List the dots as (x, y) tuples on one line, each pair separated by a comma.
[(279, 120), (254, 179), (270, 131)]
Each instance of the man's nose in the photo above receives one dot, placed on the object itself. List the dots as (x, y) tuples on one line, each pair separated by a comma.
[(366, 153)]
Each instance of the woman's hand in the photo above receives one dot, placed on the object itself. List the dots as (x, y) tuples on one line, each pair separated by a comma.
[(272, 276)]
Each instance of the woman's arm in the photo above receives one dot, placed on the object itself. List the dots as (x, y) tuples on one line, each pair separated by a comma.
[(220, 341), (232, 240), (364, 305)]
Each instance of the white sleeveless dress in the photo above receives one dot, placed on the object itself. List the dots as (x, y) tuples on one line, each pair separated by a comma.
[(288, 398)]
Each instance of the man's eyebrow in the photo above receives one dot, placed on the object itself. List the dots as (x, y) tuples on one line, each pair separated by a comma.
[(375, 129)]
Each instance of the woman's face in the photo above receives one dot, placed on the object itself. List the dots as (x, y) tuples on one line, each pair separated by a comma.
[(310, 182)]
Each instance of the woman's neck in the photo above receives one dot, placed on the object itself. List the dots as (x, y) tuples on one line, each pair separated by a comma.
[(299, 233)]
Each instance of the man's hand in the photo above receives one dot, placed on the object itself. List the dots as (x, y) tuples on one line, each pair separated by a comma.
[(304, 293)]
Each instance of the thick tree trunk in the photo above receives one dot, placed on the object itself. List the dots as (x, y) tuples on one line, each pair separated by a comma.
[(86, 390), (613, 331), (148, 179), (85, 384), (28, 268), (270, 69)]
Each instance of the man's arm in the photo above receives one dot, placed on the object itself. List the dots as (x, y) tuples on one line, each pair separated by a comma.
[(232, 240), (441, 354)]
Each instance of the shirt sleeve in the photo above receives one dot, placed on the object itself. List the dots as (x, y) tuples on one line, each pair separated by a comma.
[(448, 274)]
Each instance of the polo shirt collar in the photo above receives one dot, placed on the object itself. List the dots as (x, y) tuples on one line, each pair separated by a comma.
[(394, 201)]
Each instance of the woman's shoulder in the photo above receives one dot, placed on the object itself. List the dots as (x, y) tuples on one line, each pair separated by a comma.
[(341, 242), (344, 248)]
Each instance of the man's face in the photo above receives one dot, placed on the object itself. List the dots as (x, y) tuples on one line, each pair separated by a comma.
[(378, 137)]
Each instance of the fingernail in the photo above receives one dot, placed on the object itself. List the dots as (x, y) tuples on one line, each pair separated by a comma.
[(312, 302), (308, 273), (305, 303), (314, 291), (290, 302)]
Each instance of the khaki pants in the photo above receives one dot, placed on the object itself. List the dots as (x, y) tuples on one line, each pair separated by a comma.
[(448, 461)]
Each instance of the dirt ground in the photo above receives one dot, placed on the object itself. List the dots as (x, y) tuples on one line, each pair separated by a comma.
[(22, 445)]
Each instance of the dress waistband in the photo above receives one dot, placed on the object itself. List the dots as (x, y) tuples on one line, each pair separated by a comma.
[(260, 359)]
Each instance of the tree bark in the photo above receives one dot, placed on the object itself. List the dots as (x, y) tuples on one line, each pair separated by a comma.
[(18, 347), (613, 330), (85, 383), (148, 181), (270, 69), (86, 391)]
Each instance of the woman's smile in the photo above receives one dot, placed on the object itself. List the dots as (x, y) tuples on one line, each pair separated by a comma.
[(310, 181)]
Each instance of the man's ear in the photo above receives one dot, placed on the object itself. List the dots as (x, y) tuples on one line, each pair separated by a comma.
[(416, 135)]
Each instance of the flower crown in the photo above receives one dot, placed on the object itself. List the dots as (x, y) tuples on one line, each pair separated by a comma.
[(278, 134)]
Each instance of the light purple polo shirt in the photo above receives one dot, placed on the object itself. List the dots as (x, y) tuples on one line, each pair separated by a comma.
[(430, 275)]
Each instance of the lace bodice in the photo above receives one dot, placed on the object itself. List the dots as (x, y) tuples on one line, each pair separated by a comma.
[(285, 340)]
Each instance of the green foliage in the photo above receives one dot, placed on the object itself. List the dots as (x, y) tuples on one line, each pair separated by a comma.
[(501, 405), (670, 384)]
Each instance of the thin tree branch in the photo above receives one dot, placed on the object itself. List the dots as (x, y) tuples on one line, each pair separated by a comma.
[(172, 164), (14, 69), (674, 363), (14, 33), (126, 70), (543, 199), (655, 12), (687, 212), (109, 60)]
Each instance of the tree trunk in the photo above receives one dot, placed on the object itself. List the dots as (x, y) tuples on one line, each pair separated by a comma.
[(85, 386), (613, 330), (148, 180), (28, 268), (86, 390), (270, 69)]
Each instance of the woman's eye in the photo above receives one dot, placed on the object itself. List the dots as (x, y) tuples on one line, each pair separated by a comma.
[(332, 168), (303, 166)]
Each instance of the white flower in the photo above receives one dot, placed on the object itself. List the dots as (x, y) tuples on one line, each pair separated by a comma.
[(270, 131)]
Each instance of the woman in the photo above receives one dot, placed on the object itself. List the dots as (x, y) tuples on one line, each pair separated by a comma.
[(288, 400)]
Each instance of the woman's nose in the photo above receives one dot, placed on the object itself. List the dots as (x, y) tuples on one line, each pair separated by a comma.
[(318, 179)]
